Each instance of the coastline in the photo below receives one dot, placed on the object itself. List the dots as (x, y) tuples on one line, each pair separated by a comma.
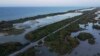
[(41, 39), (7, 25), (30, 44)]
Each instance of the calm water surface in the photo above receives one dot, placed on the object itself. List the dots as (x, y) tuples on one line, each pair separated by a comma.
[(6, 37), (83, 49), (11, 13)]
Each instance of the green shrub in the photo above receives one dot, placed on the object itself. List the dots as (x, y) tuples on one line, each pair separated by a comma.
[(84, 36), (41, 32)]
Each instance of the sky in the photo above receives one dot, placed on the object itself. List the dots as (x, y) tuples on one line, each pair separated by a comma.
[(39, 3)]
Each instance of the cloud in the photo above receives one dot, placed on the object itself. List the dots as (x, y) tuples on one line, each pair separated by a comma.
[(49, 2)]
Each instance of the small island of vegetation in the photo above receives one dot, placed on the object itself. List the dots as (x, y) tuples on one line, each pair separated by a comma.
[(86, 36)]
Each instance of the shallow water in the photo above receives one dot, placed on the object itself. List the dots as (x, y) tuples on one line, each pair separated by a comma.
[(84, 46), (45, 52), (45, 21), (33, 26)]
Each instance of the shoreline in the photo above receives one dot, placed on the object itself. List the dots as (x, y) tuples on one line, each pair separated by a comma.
[(39, 41), (33, 11), (8, 25), (35, 43)]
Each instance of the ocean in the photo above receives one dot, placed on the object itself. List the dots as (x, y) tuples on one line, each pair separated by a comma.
[(12, 13)]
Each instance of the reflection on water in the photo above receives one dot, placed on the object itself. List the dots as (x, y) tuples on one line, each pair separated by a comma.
[(89, 47), (45, 21), (62, 44), (85, 47), (45, 52), (18, 35), (12, 32)]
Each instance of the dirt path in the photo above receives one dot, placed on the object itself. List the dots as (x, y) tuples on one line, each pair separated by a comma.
[(36, 43)]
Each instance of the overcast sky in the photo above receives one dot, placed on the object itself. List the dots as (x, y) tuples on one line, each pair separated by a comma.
[(49, 3)]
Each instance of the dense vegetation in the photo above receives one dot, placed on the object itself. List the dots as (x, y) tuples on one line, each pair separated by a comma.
[(62, 43), (39, 33), (29, 52), (8, 48), (5, 26), (88, 18), (86, 36)]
